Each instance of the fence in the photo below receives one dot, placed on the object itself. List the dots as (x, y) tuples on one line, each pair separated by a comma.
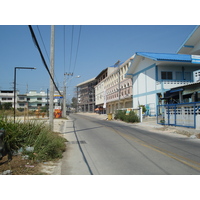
[(183, 114)]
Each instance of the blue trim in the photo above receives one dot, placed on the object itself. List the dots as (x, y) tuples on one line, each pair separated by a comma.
[(174, 106), (166, 56), (150, 93), (176, 90), (188, 46)]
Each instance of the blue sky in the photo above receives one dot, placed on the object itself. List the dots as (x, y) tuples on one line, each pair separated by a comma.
[(100, 47)]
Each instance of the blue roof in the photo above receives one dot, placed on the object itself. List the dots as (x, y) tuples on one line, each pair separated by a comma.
[(166, 56)]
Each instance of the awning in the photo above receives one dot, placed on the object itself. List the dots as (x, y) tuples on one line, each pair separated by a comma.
[(176, 90), (97, 109), (191, 89)]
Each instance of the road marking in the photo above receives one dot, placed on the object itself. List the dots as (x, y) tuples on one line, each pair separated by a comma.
[(184, 160)]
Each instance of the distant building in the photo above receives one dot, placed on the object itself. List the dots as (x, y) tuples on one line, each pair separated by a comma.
[(32, 99), (118, 88), (7, 96), (100, 90), (36, 100), (86, 96)]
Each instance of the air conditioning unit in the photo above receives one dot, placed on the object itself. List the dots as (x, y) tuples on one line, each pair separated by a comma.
[(196, 76)]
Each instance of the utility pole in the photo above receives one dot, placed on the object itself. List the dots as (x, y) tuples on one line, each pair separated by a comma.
[(64, 93), (51, 114)]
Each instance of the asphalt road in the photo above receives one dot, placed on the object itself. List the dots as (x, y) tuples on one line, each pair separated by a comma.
[(100, 147)]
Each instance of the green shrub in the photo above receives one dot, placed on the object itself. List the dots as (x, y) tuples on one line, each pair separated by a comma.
[(132, 117), (47, 145)]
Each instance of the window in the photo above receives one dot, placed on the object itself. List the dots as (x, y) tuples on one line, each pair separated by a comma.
[(187, 76), (166, 75), (179, 76), (39, 98)]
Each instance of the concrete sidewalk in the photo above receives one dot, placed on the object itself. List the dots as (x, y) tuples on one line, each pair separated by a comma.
[(72, 161)]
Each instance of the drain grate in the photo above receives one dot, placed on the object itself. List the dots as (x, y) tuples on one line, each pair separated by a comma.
[(76, 142)]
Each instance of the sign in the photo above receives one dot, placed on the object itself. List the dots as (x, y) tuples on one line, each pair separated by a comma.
[(57, 107), (58, 97)]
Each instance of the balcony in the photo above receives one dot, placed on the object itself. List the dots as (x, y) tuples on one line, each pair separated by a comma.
[(168, 84)]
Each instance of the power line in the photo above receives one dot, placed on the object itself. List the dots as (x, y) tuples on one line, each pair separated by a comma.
[(77, 48), (71, 48), (64, 49), (44, 62), (46, 52), (43, 42)]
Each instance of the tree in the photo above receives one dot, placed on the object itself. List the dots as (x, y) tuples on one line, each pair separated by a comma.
[(74, 102), (7, 106)]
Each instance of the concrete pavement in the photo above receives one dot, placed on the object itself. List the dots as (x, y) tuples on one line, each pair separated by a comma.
[(73, 160), (150, 123)]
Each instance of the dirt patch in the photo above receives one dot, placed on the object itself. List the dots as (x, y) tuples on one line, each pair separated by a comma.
[(20, 166)]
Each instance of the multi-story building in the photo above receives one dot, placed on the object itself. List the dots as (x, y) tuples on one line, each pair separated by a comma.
[(36, 100), (7, 96), (118, 88), (155, 73), (32, 99), (109, 91), (86, 96), (100, 91)]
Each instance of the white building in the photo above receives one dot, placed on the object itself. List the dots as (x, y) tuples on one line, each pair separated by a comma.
[(7, 96), (118, 88), (100, 91), (154, 73)]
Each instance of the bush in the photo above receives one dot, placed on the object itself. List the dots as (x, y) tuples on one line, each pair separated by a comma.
[(47, 145), (132, 117)]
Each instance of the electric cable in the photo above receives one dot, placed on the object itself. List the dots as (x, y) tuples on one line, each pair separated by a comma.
[(71, 48), (64, 50), (43, 42), (77, 48), (55, 77), (44, 62)]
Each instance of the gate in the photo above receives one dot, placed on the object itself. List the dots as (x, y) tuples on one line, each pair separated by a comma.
[(183, 114)]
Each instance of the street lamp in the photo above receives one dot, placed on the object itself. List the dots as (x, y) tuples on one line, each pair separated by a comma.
[(15, 84)]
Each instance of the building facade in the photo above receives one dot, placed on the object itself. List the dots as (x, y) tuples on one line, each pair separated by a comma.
[(118, 89), (155, 73), (7, 96), (86, 96), (100, 91), (31, 100)]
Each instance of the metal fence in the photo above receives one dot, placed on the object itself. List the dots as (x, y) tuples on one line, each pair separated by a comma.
[(183, 114)]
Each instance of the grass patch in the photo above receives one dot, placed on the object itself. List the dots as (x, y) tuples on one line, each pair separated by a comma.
[(46, 144)]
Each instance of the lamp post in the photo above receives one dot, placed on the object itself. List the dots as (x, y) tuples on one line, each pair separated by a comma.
[(15, 84)]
